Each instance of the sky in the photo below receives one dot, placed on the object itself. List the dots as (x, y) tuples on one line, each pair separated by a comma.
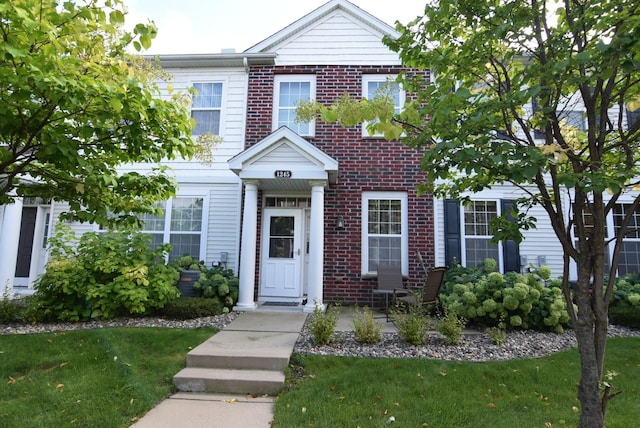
[(207, 26)]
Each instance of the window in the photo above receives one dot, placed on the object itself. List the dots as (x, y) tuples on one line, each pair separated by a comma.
[(380, 85), (630, 252), (384, 231), (574, 118), (633, 116), (289, 90), (180, 224), (477, 234), (206, 108)]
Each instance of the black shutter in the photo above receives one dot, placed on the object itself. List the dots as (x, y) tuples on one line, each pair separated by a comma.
[(510, 249), (452, 244)]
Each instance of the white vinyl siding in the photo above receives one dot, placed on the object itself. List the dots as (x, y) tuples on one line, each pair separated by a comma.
[(336, 39), (384, 230), (288, 92)]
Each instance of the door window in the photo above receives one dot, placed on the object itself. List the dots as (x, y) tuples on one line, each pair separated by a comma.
[(281, 229)]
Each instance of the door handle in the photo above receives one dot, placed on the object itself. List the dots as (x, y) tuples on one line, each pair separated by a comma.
[(298, 251)]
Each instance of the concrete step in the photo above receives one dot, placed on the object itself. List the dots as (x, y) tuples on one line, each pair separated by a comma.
[(195, 379), (244, 350)]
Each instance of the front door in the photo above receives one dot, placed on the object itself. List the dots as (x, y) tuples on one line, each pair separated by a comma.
[(282, 254)]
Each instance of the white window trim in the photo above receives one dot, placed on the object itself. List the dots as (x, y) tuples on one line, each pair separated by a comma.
[(366, 78), (311, 78), (403, 197), (463, 234), (223, 102)]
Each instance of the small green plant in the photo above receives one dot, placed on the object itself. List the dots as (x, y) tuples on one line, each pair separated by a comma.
[(323, 324), (412, 323), (8, 308), (497, 335), (365, 326), (451, 326), (33, 311)]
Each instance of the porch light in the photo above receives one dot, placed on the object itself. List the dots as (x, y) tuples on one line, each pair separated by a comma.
[(340, 222)]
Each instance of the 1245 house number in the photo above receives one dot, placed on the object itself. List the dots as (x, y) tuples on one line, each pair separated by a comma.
[(281, 173)]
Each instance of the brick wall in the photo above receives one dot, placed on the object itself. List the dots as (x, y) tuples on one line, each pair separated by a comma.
[(365, 164)]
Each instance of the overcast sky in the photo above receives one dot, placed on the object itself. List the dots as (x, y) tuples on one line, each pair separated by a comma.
[(207, 26)]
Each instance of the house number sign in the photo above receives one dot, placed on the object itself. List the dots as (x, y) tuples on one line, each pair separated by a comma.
[(282, 173)]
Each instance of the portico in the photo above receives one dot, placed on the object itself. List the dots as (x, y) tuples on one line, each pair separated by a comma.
[(292, 175)]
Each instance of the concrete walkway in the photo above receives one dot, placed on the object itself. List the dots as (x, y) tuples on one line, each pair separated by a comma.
[(267, 332), (269, 335)]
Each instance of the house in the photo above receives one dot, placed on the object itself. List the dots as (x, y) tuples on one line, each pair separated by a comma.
[(303, 213)]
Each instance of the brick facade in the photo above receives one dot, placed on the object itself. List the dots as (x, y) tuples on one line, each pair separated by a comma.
[(365, 164)]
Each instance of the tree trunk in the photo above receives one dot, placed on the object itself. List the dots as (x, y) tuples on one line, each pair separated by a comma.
[(592, 415)]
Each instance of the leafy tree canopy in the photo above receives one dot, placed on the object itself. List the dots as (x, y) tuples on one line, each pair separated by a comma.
[(74, 105), (533, 94)]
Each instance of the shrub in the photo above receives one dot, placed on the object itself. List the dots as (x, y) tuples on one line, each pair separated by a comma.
[(8, 308), (365, 326), (624, 308), (184, 308), (451, 326), (33, 311), (102, 275), (488, 298), (219, 284), (412, 323), (323, 324)]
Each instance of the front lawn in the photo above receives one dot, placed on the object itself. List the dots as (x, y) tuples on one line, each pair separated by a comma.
[(90, 378), (358, 392)]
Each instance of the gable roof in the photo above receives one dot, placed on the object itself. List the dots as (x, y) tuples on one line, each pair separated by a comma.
[(283, 149), (374, 25)]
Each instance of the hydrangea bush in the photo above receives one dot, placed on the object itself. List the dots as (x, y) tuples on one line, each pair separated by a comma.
[(218, 283), (510, 301), (625, 301)]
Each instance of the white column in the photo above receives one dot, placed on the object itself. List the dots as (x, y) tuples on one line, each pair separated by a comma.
[(247, 275), (9, 239), (316, 249)]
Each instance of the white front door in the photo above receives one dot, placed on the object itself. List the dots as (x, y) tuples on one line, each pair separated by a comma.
[(282, 254)]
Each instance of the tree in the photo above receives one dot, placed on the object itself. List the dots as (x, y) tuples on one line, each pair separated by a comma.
[(490, 60), (75, 105)]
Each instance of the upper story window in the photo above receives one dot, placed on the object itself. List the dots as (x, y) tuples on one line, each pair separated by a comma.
[(288, 91), (382, 85), (572, 117), (206, 108)]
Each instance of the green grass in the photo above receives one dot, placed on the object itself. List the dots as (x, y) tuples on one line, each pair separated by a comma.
[(358, 392), (89, 378)]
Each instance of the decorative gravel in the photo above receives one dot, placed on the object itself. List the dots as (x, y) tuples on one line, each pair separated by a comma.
[(475, 345), (219, 321)]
